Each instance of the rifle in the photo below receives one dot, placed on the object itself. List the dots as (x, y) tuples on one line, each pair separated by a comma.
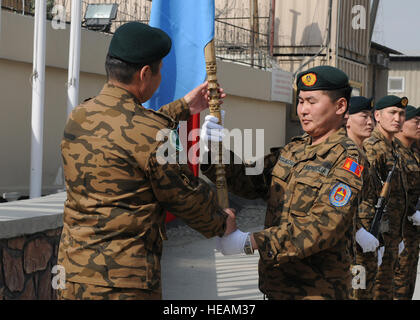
[(381, 204)]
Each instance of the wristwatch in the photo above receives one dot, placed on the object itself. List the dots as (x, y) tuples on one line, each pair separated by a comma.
[(248, 245)]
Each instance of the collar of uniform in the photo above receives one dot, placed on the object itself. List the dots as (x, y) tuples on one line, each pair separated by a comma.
[(120, 93), (331, 141), (376, 133), (399, 144)]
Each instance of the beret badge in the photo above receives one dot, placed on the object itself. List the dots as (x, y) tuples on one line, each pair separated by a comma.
[(404, 102), (309, 79)]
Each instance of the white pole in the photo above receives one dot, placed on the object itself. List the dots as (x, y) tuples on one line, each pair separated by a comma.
[(74, 56), (0, 19), (38, 90)]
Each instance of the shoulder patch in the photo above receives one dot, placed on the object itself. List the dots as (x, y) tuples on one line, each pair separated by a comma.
[(174, 140), (340, 195), (353, 167)]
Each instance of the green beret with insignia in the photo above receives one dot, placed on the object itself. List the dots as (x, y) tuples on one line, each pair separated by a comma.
[(359, 104), (411, 112), (139, 43), (391, 101), (322, 78)]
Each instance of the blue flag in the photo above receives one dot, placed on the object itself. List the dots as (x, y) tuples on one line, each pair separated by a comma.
[(190, 24)]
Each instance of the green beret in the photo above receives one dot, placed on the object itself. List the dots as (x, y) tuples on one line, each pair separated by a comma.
[(411, 112), (359, 104), (322, 78), (391, 101), (138, 43)]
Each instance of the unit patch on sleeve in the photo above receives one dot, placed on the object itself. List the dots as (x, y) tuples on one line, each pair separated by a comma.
[(340, 195), (353, 167)]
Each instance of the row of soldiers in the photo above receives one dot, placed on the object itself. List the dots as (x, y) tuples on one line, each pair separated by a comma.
[(388, 264), (391, 269), (321, 188)]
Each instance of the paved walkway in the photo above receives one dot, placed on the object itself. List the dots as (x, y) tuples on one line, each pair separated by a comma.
[(194, 270)]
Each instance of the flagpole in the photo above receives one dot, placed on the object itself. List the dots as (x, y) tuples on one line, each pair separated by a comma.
[(0, 18), (74, 56), (38, 92), (215, 110)]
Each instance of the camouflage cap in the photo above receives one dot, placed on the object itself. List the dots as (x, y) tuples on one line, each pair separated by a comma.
[(359, 104), (391, 101), (138, 43), (411, 112), (322, 78)]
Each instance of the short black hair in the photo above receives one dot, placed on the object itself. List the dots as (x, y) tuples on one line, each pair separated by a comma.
[(123, 71), (339, 93), (334, 95)]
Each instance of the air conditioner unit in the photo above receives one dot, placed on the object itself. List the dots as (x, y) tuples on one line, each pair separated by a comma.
[(381, 60)]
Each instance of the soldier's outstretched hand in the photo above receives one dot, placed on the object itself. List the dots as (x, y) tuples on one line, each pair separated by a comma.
[(198, 98), (231, 221)]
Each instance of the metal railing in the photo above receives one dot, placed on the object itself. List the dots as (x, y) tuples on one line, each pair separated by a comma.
[(241, 45), (233, 42)]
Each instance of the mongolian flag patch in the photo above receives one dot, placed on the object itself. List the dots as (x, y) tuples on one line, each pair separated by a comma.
[(353, 167)]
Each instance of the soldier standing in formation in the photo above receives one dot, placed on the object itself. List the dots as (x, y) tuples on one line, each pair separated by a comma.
[(313, 187), (381, 153), (359, 127), (406, 270), (117, 189)]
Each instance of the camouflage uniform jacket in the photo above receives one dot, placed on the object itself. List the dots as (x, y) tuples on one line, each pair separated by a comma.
[(411, 166), (366, 210), (118, 192), (379, 152), (312, 193)]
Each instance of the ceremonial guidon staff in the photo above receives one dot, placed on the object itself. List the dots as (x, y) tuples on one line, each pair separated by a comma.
[(215, 110)]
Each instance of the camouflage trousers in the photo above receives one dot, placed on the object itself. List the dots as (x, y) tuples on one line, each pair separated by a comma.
[(406, 271), (369, 261), (286, 286), (385, 277), (84, 291)]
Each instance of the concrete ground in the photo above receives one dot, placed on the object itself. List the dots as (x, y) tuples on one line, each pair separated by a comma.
[(193, 270), (196, 271)]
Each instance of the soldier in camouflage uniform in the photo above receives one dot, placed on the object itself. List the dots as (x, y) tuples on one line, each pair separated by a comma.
[(406, 270), (313, 187), (359, 127), (118, 190), (381, 153)]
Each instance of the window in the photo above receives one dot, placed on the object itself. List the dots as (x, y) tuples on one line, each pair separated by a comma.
[(396, 84), (357, 88)]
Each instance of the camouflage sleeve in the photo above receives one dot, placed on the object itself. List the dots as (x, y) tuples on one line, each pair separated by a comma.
[(239, 183), (186, 196), (366, 210), (313, 223), (376, 159), (177, 110)]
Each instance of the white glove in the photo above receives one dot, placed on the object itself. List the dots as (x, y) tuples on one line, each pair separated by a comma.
[(415, 218), (212, 130), (401, 247), (366, 240), (381, 252), (233, 243)]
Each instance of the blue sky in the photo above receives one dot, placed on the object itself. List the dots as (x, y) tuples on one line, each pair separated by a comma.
[(398, 25)]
